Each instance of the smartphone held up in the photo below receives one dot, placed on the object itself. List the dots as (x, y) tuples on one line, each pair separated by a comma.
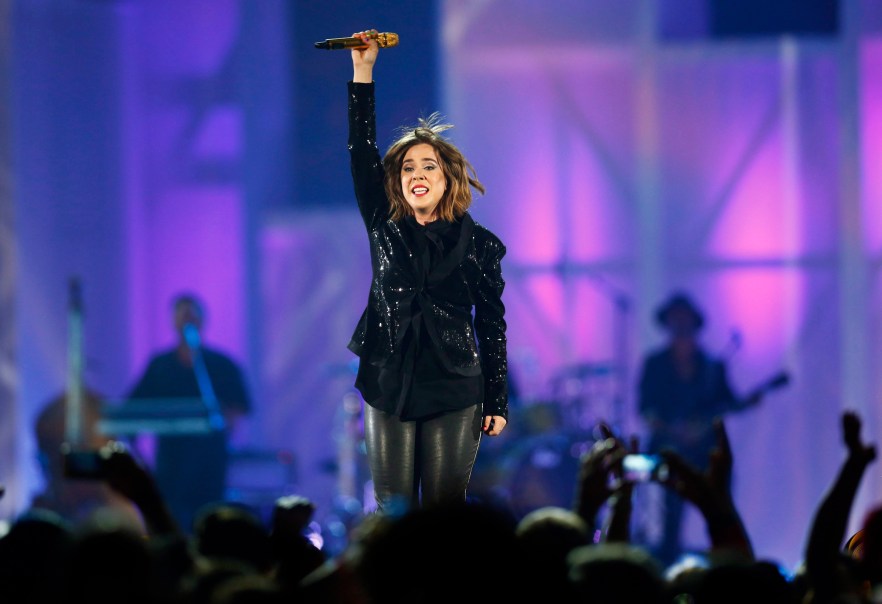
[(640, 467), (90, 464)]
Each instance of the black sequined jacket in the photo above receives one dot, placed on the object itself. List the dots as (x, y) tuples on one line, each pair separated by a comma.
[(469, 277)]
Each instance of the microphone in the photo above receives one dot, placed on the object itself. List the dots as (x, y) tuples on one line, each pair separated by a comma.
[(191, 336), (384, 40)]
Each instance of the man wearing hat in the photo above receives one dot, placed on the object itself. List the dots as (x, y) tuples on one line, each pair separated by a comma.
[(682, 390)]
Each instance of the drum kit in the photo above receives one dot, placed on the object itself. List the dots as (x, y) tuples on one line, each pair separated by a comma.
[(536, 462)]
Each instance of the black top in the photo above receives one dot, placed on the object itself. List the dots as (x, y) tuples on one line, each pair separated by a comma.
[(422, 386), (433, 301), (189, 461), (167, 377), (684, 409)]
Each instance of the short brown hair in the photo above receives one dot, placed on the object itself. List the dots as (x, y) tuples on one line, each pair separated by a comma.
[(458, 172)]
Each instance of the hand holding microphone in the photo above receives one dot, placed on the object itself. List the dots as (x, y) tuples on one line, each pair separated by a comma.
[(364, 46), (360, 41), (364, 56)]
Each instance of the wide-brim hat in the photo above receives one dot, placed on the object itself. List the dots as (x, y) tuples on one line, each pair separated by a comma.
[(679, 301)]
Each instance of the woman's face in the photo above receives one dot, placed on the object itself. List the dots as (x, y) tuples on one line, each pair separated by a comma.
[(422, 180)]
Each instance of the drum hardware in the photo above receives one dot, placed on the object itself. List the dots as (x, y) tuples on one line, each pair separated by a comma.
[(540, 471), (354, 493), (589, 393), (536, 463)]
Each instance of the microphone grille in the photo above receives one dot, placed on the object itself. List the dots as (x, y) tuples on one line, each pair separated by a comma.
[(387, 40)]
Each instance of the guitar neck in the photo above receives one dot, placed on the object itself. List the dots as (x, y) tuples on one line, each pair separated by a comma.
[(779, 380)]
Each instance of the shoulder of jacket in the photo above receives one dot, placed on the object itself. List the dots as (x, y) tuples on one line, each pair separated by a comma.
[(657, 355), (218, 356), (484, 237), (164, 356)]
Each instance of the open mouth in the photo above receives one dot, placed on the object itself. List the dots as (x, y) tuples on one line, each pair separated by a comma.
[(419, 191)]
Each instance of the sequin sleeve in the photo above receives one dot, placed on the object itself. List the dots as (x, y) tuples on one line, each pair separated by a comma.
[(490, 329), (367, 167)]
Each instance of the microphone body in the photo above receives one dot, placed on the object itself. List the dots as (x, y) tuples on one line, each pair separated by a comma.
[(384, 40), (191, 336)]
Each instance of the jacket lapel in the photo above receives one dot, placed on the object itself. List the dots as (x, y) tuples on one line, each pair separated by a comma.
[(453, 259)]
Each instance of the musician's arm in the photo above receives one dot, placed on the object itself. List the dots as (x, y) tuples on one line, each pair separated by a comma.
[(752, 399), (724, 395)]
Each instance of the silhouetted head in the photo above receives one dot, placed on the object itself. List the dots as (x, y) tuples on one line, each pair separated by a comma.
[(552, 528), (248, 589), (867, 546), (546, 536), (187, 309), (209, 577), (446, 553), (32, 555), (233, 532), (109, 564), (680, 316), (739, 583), (615, 573)]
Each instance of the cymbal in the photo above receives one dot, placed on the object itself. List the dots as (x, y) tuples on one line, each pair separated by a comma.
[(587, 370)]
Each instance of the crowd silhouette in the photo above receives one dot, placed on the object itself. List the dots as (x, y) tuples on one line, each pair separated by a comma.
[(468, 552)]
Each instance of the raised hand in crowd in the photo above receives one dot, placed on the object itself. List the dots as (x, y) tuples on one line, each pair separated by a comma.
[(599, 480), (295, 554), (824, 566), (291, 515), (711, 493), (125, 475), (618, 522)]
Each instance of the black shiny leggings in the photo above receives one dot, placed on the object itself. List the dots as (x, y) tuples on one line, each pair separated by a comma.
[(433, 456)]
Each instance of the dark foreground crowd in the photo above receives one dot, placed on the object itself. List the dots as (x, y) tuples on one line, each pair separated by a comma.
[(465, 552)]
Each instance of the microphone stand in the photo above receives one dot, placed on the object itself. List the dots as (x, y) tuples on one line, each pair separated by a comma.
[(623, 310), (73, 414), (203, 381), (622, 304)]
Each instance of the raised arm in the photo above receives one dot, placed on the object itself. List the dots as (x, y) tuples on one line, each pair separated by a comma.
[(129, 478), (831, 518), (711, 494), (367, 167), (601, 482), (594, 486)]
